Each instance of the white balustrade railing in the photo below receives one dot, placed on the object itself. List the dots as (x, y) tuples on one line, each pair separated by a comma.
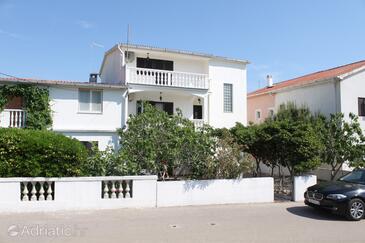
[(12, 118), (117, 189), (167, 78), (198, 122), (42, 190)]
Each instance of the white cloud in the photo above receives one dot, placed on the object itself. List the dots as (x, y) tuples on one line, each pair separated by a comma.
[(85, 24), (10, 34), (95, 44)]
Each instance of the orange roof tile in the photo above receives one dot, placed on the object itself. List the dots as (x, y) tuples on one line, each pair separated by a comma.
[(309, 78)]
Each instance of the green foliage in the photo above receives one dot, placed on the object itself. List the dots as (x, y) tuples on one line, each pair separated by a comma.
[(34, 153), (106, 163), (344, 141), (37, 107), (228, 161), (155, 141)]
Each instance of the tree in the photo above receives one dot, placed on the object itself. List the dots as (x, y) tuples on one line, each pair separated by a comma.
[(253, 140), (295, 138), (228, 160), (157, 143), (344, 142)]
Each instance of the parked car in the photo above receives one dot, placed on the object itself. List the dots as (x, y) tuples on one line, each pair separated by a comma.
[(345, 196)]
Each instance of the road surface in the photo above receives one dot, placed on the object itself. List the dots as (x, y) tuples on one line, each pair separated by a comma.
[(272, 222)]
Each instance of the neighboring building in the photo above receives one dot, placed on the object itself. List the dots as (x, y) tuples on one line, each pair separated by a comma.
[(340, 89), (206, 88)]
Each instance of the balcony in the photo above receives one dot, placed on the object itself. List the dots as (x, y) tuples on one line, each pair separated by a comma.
[(165, 78), (12, 118), (198, 123)]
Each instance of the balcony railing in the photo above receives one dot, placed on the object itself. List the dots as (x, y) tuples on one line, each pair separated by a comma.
[(198, 122), (12, 118), (167, 78)]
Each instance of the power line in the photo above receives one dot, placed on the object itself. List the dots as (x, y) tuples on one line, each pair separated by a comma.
[(11, 76)]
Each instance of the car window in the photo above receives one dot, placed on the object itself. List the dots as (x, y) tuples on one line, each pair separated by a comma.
[(357, 176)]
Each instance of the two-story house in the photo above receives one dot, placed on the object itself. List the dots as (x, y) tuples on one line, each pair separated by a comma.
[(339, 89), (206, 88)]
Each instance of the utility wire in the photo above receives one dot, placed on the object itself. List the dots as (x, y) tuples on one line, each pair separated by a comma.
[(11, 76)]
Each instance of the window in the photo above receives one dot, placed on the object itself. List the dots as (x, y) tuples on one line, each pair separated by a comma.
[(227, 98), (90, 144), (197, 112), (361, 105), (258, 114), (271, 112), (155, 64), (167, 107), (90, 100), (14, 102)]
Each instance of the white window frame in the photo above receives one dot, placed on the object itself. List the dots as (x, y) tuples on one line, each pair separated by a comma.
[(256, 112), (231, 111), (90, 94)]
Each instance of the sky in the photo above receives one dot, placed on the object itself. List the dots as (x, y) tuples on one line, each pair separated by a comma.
[(66, 40)]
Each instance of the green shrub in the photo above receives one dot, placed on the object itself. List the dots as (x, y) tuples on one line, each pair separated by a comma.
[(106, 163), (39, 153)]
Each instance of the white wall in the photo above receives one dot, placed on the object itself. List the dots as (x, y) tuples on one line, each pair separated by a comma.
[(203, 192), (301, 183), (221, 72), (77, 193), (113, 71), (104, 139), (87, 126), (352, 88), (320, 97), (66, 115), (183, 102)]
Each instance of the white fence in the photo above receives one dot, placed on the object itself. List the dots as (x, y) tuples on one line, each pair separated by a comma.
[(77, 193), (300, 185), (204, 192), (157, 77), (33, 194), (12, 118)]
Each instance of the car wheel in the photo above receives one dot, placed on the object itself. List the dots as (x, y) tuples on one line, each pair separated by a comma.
[(356, 209)]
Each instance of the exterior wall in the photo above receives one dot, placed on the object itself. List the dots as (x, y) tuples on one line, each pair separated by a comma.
[(319, 97), (233, 73), (263, 103), (87, 126), (203, 192), (182, 63), (352, 88), (183, 102), (104, 139), (113, 70), (301, 183)]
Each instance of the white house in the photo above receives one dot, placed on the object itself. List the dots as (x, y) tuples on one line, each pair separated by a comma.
[(206, 88)]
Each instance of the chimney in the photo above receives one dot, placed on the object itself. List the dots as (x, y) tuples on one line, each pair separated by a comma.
[(269, 81), (93, 78)]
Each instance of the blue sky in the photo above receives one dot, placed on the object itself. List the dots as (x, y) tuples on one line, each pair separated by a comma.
[(67, 39)]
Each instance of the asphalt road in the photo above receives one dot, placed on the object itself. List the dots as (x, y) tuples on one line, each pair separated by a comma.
[(274, 222)]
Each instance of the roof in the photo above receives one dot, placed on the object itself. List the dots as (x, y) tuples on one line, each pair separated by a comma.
[(152, 48), (61, 83), (311, 78)]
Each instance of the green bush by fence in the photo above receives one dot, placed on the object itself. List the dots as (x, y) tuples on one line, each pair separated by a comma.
[(39, 153)]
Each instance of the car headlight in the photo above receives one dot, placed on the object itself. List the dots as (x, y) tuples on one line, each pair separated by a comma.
[(336, 196)]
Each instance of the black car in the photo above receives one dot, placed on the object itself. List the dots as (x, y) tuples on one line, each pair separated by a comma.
[(345, 196)]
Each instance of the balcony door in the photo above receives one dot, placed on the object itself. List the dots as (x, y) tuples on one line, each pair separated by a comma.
[(155, 64), (167, 107)]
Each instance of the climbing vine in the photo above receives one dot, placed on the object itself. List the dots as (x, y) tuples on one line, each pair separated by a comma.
[(36, 104)]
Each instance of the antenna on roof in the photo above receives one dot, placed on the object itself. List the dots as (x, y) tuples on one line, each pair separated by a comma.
[(127, 54)]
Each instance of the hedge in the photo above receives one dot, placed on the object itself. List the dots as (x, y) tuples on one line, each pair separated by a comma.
[(34, 153)]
